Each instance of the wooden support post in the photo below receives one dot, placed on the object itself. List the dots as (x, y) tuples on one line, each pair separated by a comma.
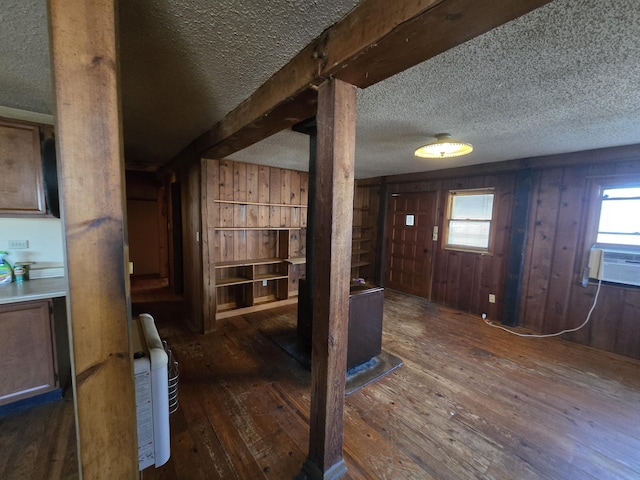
[(91, 174), (332, 265)]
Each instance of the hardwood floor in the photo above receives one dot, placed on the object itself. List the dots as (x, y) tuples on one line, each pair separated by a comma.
[(39, 443), (470, 402)]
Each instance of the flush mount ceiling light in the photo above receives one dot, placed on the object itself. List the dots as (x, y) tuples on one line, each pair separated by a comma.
[(443, 147)]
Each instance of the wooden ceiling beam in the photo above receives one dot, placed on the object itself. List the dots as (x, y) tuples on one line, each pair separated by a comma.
[(373, 42)]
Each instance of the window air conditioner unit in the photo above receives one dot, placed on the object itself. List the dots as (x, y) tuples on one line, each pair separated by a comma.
[(615, 265)]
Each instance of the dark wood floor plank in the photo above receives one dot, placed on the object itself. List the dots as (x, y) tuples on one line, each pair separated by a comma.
[(470, 402)]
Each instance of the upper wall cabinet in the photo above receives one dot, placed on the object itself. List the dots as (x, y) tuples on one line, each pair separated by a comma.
[(21, 183)]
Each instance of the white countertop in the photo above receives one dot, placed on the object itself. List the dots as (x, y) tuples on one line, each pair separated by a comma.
[(37, 289)]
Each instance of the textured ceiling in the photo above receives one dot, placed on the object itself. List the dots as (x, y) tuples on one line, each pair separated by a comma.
[(562, 78)]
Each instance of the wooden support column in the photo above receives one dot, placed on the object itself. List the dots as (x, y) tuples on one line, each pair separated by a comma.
[(91, 173), (332, 266)]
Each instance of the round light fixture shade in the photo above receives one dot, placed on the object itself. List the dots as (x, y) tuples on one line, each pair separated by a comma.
[(444, 147)]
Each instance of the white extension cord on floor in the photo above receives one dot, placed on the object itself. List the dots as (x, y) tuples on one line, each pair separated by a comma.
[(534, 335)]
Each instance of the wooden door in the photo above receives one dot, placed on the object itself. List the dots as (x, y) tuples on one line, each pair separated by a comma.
[(411, 242)]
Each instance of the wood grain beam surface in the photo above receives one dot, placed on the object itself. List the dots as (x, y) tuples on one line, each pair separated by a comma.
[(91, 175), (332, 266)]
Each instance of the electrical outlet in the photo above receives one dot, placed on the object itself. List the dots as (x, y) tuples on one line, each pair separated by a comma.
[(264, 283), (17, 244), (492, 298)]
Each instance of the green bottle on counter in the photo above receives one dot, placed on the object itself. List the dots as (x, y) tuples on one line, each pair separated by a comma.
[(6, 272)]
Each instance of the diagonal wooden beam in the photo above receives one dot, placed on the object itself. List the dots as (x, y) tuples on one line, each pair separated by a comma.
[(375, 41)]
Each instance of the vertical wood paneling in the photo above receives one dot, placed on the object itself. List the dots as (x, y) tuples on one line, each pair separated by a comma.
[(545, 223), (226, 246), (225, 180), (580, 302), (464, 279), (304, 188), (263, 196), (615, 323), (240, 181), (606, 317), (564, 250), (210, 245), (294, 189), (275, 186), (627, 340), (463, 297), (497, 266), (253, 195), (556, 251)]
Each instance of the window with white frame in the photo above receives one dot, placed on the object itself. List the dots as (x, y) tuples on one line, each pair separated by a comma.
[(619, 222), (468, 220)]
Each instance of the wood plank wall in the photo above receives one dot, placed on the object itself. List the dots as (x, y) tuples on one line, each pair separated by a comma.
[(144, 190), (190, 179), (366, 206), (464, 280), (559, 236), (275, 199), (206, 181)]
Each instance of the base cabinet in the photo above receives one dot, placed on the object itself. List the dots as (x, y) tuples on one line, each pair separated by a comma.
[(27, 359)]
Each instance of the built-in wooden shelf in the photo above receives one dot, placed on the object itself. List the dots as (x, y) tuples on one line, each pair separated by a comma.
[(269, 276), (246, 263), (236, 229), (260, 204), (296, 260), (229, 281), (358, 264)]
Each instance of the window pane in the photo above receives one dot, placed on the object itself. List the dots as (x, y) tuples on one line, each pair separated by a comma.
[(621, 192), (632, 240), (472, 207), (620, 216), (469, 234)]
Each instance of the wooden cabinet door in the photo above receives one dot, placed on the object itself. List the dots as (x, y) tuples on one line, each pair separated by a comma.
[(27, 361), (21, 184)]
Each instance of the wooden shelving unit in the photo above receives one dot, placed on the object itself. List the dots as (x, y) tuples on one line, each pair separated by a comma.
[(257, 219), (255, 283), (258, 216), (363, 235)]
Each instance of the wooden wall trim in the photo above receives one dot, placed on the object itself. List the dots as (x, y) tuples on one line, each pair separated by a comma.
[(85, 67), (334, 193), (209, 219)]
